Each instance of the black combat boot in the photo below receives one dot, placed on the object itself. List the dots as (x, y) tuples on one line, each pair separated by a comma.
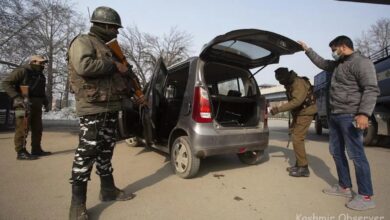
[(37, 151), (78, 210), (301, 171), (109, 192), (23, 154)]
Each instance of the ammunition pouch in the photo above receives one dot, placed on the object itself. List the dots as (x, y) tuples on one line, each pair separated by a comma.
[(20, 113)]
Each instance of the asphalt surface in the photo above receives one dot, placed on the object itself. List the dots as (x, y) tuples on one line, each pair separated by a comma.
[(223, 189)]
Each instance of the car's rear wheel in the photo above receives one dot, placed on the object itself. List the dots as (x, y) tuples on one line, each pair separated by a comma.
[(251, 157), (183, 160)]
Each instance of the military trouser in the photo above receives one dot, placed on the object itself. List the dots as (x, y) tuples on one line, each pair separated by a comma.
[(299, 128), (35, 124), (97, 140)]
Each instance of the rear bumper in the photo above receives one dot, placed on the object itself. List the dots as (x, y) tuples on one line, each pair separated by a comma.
[(207, 141)]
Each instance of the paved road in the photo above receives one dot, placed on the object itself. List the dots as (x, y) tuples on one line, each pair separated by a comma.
[(224, 188)]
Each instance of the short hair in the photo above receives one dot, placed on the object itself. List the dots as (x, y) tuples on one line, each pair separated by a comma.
[(341, 40)]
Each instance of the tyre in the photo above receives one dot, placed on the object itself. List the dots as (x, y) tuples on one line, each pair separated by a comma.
[(318, 125), (132, 142), (183, 160), (251, 157), (369, 135)]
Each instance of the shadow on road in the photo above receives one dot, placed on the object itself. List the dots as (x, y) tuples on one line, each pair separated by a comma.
[(64, 151), (221, 163), (162, 173), (319, 167)]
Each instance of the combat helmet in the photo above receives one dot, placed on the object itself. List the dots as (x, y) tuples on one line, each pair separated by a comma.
[(106, 15)]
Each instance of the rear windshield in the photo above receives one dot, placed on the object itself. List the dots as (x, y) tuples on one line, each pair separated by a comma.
[(241, 48), (229, 81)]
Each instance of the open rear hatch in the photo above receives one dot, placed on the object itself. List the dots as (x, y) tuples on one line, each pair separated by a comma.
[(229, 58), (249, 48)]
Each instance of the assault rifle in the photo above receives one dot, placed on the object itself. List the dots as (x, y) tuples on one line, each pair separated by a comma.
[(117, 51), (26, 116)]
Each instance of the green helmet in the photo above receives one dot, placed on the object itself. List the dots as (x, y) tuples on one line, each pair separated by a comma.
[(106, 15)]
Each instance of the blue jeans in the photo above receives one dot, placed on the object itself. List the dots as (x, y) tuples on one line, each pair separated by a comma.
[(344, 136)]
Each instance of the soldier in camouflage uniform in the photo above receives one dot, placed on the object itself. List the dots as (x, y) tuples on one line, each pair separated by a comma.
[(30, 75), (97, 79), (302, 105)]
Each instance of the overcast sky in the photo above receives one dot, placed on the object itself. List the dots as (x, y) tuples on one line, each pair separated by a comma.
[(316, 22)]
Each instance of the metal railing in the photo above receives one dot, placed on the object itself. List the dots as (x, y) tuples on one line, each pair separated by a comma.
[(385, 52)]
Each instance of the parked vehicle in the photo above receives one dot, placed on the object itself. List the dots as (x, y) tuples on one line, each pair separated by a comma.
[(380, 119), (211, 104), (7, 113)]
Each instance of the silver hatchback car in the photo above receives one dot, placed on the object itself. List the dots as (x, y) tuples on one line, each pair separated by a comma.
[(211, 104)]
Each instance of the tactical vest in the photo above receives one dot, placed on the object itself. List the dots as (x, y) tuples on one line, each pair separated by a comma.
[(111, 87), (309, 100), (36, 83)]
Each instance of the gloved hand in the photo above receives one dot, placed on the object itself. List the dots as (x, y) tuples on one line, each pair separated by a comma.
[(18, 102), (274, 110), (140, 100)]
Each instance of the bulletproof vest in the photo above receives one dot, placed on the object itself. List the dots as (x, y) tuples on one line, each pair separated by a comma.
[(310, 98), (36, 83), (110, 87)]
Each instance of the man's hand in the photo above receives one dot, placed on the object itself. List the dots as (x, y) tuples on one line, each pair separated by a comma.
[(121, 67), (140, 100), (18, 102), (361, 121), (274, 110), (303, 44), (46, 104)]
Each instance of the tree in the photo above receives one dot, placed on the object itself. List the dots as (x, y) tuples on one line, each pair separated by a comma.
[(376, 38), (144, 49), (39, 27), (15, 24), (53, 31)]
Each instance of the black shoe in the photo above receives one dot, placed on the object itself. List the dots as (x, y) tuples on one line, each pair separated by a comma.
[(24, 155), (292, 168), (109, 192), (40, 152), (300, 172), (115, 194)]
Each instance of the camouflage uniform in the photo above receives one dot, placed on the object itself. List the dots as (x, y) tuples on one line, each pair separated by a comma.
[(99, 88), (96, 144)]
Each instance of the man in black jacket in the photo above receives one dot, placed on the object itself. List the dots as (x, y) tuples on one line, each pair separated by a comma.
[(30, 75)]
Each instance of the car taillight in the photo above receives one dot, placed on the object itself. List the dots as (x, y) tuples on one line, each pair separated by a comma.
[(201, 106)]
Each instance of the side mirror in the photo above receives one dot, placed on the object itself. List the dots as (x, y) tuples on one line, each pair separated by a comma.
[(170, 92)]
